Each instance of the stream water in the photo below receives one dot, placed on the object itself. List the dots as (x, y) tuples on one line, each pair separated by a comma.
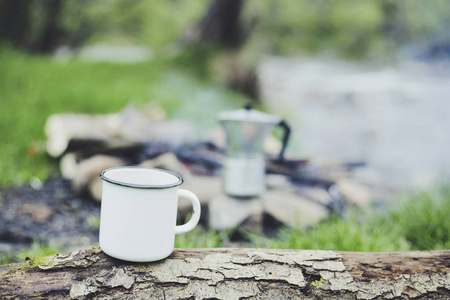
[(393, 117)]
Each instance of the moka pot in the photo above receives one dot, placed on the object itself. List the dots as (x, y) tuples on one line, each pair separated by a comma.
[(246, 130)]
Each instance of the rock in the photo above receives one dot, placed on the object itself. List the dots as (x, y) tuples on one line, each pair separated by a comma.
[(87, 176), (354, 192), (36, 183), (254, 223), (292, 209), (285, 206), (315, 193), (227, 212), (39, 212)]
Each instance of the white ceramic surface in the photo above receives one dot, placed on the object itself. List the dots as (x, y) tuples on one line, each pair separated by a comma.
[(245, 177), (138, 213)]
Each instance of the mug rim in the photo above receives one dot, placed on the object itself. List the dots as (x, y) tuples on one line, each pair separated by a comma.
[(141, 186)]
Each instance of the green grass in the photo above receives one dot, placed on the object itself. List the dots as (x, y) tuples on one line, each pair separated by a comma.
[(34, 87), (419, 221), (350, 234), (199, 238), (424, 219), (36, 249), (39, 248)]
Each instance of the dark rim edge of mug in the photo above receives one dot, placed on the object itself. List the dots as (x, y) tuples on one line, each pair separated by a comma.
[(141, 186)]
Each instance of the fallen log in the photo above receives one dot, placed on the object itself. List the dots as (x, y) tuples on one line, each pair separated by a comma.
[(233, 274)]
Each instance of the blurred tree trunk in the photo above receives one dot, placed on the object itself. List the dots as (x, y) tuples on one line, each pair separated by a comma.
[(14, 21), (51, 33), (31, 25), (391, 26), (221, 23)]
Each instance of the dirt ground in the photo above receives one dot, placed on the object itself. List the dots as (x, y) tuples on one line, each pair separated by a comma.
[(52, 213)]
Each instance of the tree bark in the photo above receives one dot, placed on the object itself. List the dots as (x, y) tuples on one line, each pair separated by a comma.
[(37, 32), (51, 33), (15, 21), (233, 274), (221, 23)]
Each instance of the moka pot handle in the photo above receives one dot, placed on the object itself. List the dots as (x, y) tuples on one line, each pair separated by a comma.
[(287, 132)]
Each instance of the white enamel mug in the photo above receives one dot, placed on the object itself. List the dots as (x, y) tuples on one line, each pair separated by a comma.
[(138, 213)]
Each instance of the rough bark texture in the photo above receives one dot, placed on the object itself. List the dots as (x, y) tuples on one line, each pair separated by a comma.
[(233, 274)]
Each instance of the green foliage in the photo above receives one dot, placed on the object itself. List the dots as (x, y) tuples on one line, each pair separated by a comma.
[(348, 234), (150, 22), (348, 27), (6, 258), (199, 238), (423, 219), (38, 249), (34, 253), (317, 283)]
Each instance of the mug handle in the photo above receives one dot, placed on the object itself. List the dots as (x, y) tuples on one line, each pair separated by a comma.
[(196, 210)]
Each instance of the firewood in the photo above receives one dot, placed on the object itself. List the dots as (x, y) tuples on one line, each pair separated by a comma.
[(94, 134)]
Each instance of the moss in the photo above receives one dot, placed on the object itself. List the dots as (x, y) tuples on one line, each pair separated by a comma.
[(30, 263), (36, 261), (10, 272)]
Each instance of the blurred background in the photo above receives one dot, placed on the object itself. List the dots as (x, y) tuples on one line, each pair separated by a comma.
[(360, 82)]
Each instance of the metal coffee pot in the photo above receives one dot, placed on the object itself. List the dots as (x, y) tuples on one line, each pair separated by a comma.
[(246, 130)]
